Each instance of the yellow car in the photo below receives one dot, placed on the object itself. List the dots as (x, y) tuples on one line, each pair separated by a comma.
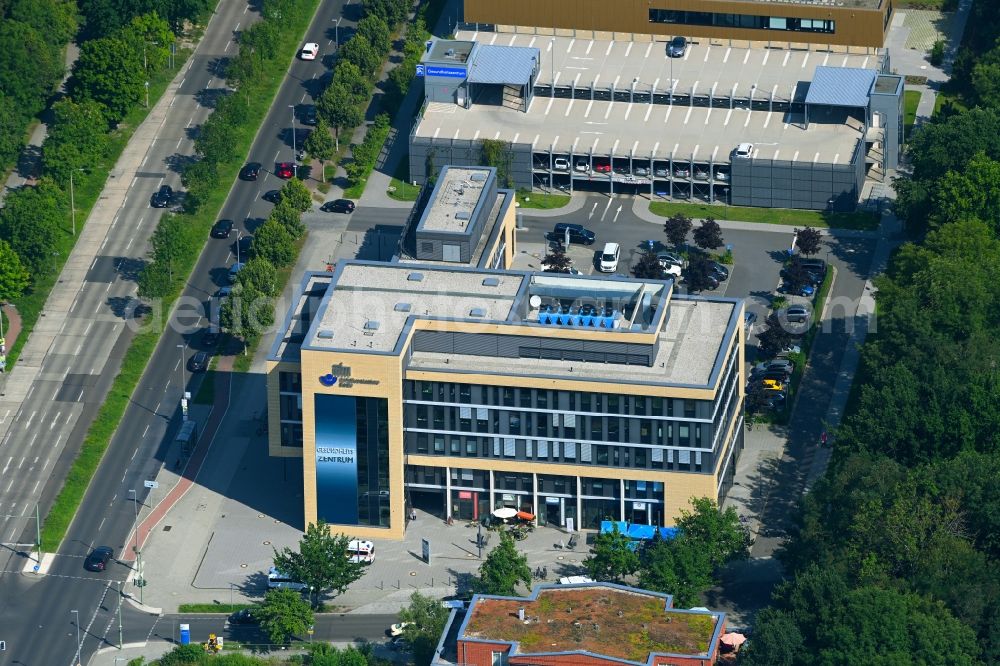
[(773, 385)]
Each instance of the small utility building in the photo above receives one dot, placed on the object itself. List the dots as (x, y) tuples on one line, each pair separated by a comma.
[(466, 73)]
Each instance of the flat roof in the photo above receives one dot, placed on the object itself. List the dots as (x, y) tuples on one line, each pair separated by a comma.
[(841, 86), (458, 192), (662, 131), (689, 346), (607, 620), (369, 304), (495, 64), (730, 71), (457, 50), (305, 303)]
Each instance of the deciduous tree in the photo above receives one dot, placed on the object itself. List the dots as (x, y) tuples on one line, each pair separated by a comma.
[(426, 618), (273, 243), (30, 222), (322, 561), (678, 567), (698, 276), (29, 67), (808, 240), (649, 267), (611, 558), (504, 568), (556, 261), (283, 614), (77, 138), (677, 227), (289, 217), (246, 314), (109, 71), (718, 533), (13, 276), (260, 274), (708, 235), (297, 195)]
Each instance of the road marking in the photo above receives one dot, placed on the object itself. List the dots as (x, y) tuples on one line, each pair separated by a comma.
[(53, 424), (548, 107), (629, 49), (139, 223), (590, 45), (227, 45), (805, 60), (571, 43), (608, 112), (648, 49), (767, 119), (649, 110), (35, 488), (749, 115), (590, 104), (628, 110), (102, 523), (687, 116), (607, 51), (766, 54), (145, 431), (33, 413), (137, 450), (666, 116), (707, 51), (20, 464), (7, 466), (725, 58), (785, 61)]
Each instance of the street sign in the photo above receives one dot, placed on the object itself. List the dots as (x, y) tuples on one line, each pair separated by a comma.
[(151, 484), (425, 547)]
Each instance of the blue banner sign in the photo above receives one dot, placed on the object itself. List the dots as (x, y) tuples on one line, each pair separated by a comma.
[(336, 459), (420, 71), (447, 72)]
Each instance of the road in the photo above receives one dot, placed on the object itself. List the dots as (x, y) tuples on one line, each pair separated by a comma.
[(334, 627), (36, 616)]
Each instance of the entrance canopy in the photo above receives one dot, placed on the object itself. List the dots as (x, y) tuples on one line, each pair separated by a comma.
[(841, 86), (503, 65)]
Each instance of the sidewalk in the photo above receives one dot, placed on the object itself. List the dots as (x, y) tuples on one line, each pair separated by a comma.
[(28, 167), (192, 467), (11, 329)]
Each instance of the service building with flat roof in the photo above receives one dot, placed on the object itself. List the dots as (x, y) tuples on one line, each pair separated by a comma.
[(458, 387), (621, 117), (846, 23), (592, 623)]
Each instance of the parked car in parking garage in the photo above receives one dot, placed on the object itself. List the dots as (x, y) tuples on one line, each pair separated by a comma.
[(700, 174), (676, 47), (640, 171), (682, 172), (660, 172), (560, 164), (602, 167), (721, 175), (581, 166)]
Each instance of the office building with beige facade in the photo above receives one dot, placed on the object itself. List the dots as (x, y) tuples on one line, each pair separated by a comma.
[(447, 382)]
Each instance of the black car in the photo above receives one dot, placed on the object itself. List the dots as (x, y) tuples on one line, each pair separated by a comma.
[(719, 270), (338, 206), (222, 229), (676, 47), (162, 197), (274, 196), (198, 362), (309, 115), (243, 247), (244, 616), (251, 171), (98, 559), (577, 233)]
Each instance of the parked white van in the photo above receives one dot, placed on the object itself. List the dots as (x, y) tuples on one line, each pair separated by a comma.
[(609, 258), (361, 551)]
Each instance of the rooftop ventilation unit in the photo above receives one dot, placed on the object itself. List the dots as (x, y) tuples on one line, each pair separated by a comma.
[(325, 335), (477, 312), (415, 277), (402, 307), (478, 177), (371, 325), (491, 282), (463, 215)]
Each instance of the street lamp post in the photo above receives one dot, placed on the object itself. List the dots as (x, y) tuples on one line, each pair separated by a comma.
[(336, 33), (79, 646), (552, 69), (183, 378), (139, 582), (147, 93)]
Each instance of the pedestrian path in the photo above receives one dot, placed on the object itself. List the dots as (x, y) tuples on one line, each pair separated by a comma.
[(192, 467)]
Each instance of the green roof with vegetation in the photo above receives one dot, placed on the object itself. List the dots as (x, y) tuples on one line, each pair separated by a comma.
[(602, 620)]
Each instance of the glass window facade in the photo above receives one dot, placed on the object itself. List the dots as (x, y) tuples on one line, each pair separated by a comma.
[(747, 21)]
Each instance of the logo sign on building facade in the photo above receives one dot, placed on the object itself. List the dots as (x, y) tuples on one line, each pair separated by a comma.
[(420, 71), (340, 374), (446, 72)]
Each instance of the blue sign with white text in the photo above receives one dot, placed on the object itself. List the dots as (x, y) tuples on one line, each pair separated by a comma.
[(447, 72), (336, 459), (420, 71)]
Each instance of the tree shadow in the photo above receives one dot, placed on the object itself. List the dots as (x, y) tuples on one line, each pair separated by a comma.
[(209, 97), (129, 268), (178, 162), (465, 583), (124, 307)]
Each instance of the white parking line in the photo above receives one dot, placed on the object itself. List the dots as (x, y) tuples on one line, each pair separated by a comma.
[(687, 116), (785, 61), (725, 58), (805, 59), (548, 107), (767, 119), (590, 45), (648, 49), (649, 110), (611, 45), (629, 49), (571, 43), (590, 105), (628, 110)]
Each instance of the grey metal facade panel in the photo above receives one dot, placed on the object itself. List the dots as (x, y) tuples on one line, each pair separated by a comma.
[(437, 342), (474, 344)]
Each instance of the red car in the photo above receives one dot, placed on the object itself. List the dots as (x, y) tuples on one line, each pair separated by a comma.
[(284, 170), (602, 167)]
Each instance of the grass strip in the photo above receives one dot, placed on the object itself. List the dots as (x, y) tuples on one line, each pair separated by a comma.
[(862, 221), (541, 201), (911, 99), (212, 608), (87, 187), (143, 346)]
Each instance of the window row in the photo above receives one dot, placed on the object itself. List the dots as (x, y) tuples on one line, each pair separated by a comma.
[(747, 21), (565, 452), (506, 396)]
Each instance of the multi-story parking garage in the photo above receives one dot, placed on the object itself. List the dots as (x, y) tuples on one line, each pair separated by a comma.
[(621, 116)]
